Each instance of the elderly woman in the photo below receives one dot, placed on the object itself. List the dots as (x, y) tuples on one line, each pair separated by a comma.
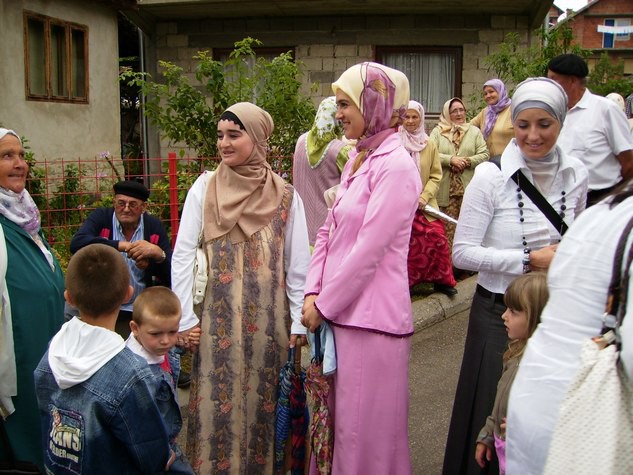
[(252, 227), (429, 256), (358, 275), (319, 158), (32, 302), (501, 234), (462, 148), (494, 120)]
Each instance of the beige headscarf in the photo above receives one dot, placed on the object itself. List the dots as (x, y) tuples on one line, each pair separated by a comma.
[(242, 200), (448, 128)]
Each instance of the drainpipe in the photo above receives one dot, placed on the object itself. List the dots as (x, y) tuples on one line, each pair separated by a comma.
[(143, 120)]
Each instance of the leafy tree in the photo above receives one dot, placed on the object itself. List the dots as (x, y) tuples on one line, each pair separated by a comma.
[(513, 62), (188, 113), (607, 76)]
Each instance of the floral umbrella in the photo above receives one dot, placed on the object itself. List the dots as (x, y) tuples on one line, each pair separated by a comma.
[(321, 428)]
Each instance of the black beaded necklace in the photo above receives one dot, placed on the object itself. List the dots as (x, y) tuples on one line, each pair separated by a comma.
[(526, 250)]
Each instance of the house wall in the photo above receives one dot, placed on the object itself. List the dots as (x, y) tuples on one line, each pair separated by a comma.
[(585, 28), (328, 45), (55, 129)]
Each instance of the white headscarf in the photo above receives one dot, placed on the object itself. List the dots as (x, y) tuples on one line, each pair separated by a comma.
[(540, 93)]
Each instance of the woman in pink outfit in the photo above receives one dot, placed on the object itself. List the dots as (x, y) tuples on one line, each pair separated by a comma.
[(358, 275)]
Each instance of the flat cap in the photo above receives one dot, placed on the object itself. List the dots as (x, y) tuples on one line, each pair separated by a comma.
[(569, 65), (133, 189)]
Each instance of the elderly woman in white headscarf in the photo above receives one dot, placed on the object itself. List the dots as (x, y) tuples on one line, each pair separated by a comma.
[(501, 234), (357, 280), (32, 302), (429, 254), (319, 158)]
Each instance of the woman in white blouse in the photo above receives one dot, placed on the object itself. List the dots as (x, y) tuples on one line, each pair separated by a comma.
[(501, 233)]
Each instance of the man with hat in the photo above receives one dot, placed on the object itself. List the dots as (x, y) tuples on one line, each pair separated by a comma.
[(596, 131), (140, 237)]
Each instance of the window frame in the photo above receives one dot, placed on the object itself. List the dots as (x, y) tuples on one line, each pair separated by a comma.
[(69, 28), (455, 51)]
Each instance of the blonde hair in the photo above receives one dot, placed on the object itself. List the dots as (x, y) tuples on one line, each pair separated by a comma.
[(527, 293), (156, 301)]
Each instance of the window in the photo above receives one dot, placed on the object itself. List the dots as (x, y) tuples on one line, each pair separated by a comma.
[(56, 62), (435, 74), (609, 39)]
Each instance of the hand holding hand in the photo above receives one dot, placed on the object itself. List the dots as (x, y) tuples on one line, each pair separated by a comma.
[(542, 258), (311, 318), (142, 249), (483, 454)]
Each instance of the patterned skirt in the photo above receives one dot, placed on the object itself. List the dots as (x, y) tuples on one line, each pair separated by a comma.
[(429, 255)]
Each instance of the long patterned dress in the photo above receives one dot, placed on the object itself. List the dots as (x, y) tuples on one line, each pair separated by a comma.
[(245, 329)]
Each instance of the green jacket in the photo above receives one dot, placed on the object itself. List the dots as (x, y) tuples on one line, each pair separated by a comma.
[(37, 309), (472, 146)]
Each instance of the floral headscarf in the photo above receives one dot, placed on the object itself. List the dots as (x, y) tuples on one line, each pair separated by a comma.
[(382, 95), (416, 141), (19, 207), (493, 111), (324, 130), (454, 132)]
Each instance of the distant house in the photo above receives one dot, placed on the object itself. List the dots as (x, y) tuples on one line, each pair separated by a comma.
[(59, 80), (440, 45), (605, 25), (553, 15)]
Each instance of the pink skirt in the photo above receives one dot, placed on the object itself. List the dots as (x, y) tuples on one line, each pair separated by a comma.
[(370, 404)]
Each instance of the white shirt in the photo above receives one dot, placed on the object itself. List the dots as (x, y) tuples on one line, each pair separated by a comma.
[(489, 235), (296, 255), (578, 280), (595, 131)]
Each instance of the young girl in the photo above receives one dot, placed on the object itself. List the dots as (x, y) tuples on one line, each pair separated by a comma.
[(525, 299)]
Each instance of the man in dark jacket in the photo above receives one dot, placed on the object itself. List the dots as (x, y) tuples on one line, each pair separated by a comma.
[(140, 237)]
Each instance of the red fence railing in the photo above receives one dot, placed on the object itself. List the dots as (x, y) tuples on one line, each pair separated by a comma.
[(66, 191)]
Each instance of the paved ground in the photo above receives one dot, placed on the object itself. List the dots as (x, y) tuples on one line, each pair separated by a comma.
[(436, 354)]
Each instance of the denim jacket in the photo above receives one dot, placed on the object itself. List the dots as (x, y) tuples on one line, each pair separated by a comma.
[(109, 423)]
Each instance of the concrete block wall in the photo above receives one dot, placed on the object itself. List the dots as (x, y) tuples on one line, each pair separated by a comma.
[(326, 46)]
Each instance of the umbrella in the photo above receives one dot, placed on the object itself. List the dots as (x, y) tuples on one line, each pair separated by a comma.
[(438, 214), (321, 426), (291, 418)]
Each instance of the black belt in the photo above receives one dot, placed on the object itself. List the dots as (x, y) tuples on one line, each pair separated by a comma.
[(487, 294)]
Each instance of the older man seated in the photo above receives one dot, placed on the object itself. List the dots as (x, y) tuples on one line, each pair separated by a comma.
[(140, 237)]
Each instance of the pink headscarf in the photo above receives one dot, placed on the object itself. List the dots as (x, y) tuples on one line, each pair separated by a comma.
[(381, 93), (493, 111), (414, 142)]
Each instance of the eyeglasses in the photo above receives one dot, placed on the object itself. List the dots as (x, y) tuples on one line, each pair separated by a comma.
[(133, 205), (457, 111)]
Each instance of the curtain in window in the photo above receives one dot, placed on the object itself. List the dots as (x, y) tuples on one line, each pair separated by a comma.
[(37, 58), (431, 76)]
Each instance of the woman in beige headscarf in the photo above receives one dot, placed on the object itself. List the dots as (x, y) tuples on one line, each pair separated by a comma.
[(462, 147), (253, 230)]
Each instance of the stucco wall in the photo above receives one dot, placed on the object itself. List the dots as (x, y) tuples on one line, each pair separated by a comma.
[(328, 45), (56, 129)]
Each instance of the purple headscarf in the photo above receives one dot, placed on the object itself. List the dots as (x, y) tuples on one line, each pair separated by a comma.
[(493, 111)]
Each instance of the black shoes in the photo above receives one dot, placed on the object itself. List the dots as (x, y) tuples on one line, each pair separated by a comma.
[(184, 380), (445, 289)]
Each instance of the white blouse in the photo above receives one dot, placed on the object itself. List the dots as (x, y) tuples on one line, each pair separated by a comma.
[(296, 255), (489, 235), (578, 282)]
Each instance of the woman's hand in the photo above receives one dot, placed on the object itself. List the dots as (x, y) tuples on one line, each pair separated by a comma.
[(458, 164), (421, 204), (542, 258), (296, 339), (311, 317), (483, 454)]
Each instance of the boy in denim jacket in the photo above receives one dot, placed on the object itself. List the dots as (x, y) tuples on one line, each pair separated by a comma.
[(95, 396), (154, 325)]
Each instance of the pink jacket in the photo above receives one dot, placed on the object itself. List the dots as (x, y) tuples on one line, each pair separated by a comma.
[(359, 265)]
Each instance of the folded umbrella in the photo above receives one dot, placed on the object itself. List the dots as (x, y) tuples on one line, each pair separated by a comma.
[(321, 427)]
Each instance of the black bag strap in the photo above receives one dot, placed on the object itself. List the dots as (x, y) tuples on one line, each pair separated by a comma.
[(539, 200), (619, 285)]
